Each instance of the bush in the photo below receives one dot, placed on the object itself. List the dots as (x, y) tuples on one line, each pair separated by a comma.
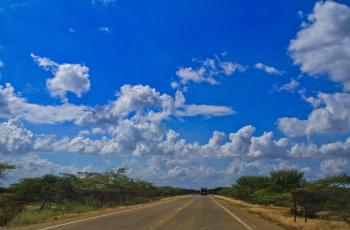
[(7, 214), (33, 217), (329, 196), (265, 197), (55, 195), (288, 178)]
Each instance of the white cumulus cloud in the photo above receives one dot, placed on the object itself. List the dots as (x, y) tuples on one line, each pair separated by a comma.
[(73, 78), (330, 115), (14, 139), (322, 46), (12, 105)]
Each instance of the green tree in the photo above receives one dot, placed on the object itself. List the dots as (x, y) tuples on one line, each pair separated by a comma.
[(246, 185), (45, 190), (253, 182), (288, 179)]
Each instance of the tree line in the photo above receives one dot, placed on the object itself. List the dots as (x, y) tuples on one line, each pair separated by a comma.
[(64, 192), (324, 198)]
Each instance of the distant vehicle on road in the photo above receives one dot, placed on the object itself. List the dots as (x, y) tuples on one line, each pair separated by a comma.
[(204, 191)]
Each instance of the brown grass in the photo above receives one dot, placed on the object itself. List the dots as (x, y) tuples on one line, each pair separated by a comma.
[(283, 217)]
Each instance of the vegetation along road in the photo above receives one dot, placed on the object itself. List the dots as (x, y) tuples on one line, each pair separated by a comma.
[(185, 212)]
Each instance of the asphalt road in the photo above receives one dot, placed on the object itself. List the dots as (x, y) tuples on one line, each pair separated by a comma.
[(191, 212)]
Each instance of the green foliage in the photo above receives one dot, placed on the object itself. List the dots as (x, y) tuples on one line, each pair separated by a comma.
[(33, 217), (253, 182), (8, 208), (246, 185), (265, 197), (46, 189), (342, 180), (288, 179), (224, 192), (53, 195), (330, 195)]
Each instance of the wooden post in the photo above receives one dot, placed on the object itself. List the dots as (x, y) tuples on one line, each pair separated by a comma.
[(295, 210), (305, 213)]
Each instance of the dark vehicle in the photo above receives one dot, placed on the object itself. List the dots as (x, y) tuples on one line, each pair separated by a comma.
[(204, 191)]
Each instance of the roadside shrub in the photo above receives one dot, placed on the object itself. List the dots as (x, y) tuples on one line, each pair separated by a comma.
[(7, 214), (328, 198), (33, 217)]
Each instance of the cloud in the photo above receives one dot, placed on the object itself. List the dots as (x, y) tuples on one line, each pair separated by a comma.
[(229, 67), (330, 115), (104, 2), (336, 166), (178, 172), (206, 71), (73, 78), (131, 123), (242, 144), (127, 138), (292, 126), (326, 150), (142, 102), (140, 138), (12, 105), (32, 165), (289, 87), (105, 29), (44, 62), (337, 148), (139, 102), (171, 158), (205, 110), (217, 139), (238, 167), (265, 146), (239, 142), (321, 47), (187, 74), (268, 69), (14, 139)]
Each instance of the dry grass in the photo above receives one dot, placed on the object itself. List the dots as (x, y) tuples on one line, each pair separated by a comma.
[(282, 216), (31, 216)]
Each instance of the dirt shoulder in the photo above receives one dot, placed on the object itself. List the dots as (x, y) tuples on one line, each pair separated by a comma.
[(283, 217)]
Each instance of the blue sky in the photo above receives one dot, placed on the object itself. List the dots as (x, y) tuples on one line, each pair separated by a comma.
[(199, 92)]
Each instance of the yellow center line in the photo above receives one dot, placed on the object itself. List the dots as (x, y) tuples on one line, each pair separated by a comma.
[(177, 211)]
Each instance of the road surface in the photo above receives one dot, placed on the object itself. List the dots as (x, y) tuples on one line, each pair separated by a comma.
[(184, 213)]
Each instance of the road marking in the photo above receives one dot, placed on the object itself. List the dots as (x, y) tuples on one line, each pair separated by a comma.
[(161, 222), (110, 214), (233, 215)]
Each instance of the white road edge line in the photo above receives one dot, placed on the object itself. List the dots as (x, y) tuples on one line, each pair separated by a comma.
[(231, 214), (109, 214)]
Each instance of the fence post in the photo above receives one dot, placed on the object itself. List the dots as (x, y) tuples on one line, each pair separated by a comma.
[(295, 207), (295, 211)]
